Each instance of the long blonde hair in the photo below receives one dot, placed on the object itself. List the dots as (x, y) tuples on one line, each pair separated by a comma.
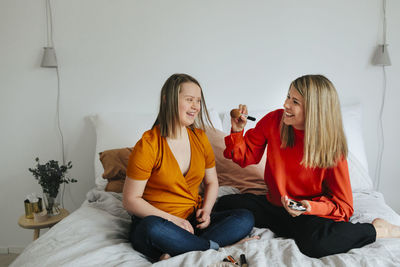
[(168, 115), (324, 138)]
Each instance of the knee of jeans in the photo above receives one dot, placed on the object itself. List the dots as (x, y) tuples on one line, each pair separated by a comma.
[(246, 217), (150, 226)]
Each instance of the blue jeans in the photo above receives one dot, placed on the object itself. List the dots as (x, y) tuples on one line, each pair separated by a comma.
[(154, 236)]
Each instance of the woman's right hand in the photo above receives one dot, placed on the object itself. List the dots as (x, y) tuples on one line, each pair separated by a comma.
[(239, 123), (182, 223)]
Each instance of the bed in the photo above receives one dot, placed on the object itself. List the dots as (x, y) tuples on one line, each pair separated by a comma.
[(97, 232)]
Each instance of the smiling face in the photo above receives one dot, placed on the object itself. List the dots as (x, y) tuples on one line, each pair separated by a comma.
[(294, 109), (189, 103)]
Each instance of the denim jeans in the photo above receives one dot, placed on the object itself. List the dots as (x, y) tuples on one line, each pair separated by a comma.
[(154, 236)]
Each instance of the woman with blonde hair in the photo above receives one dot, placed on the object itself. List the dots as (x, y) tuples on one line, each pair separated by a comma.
[(164, 172), (309, 194)]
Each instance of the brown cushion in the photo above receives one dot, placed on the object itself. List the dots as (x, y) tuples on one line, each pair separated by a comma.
[(115, 162), (115, 185), (248, 180)]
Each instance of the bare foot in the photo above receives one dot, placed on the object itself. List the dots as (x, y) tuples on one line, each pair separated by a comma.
[(245, 240), (385, 229), (164, 256)]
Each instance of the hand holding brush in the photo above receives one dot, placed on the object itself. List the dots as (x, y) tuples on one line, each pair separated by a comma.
[(235, 113), (239, 118)]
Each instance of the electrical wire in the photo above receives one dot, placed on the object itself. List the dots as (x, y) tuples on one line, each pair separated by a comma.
[(60, 130), (381, 144), (50, 43), (384, 21), (49, 24)]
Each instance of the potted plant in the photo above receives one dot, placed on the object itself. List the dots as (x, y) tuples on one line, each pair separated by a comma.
[(50, 175)]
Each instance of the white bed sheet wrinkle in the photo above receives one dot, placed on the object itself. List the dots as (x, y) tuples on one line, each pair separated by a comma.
[(97, 234)]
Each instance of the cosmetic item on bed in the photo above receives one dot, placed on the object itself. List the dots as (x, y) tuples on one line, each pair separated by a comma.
[(235, 113), (231, 259), (243, 261)]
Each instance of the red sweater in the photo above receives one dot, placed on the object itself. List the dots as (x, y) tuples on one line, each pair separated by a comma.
[(328, 190)]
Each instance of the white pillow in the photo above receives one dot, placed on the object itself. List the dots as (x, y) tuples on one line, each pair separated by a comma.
[(359, 177), (352, 118), (117, 130), (215, 119)]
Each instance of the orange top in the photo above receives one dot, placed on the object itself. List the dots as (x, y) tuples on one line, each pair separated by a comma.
[(167, 189), (328, 190)]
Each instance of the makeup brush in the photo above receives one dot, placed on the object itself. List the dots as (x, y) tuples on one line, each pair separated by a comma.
[(235, 113)]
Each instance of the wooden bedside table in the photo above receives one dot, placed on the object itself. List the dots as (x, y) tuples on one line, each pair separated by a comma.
[(30, 224)]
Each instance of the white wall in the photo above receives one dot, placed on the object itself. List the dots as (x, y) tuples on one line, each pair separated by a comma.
[(115, 55)]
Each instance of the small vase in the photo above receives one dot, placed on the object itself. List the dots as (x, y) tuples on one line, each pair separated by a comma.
[(51, 205)]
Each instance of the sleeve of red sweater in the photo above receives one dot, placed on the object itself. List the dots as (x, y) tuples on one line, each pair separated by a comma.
[(337, 201), (248, 149)]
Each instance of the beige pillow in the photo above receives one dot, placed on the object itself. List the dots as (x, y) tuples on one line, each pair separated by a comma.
[(248, 180)]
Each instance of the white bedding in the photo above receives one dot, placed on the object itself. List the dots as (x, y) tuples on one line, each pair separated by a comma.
[(97, 234)]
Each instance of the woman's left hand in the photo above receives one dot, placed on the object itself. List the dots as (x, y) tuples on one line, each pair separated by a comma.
[(203, 218), (294, 213)]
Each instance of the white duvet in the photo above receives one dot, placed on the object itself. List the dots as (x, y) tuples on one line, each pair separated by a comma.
[(97, 235)]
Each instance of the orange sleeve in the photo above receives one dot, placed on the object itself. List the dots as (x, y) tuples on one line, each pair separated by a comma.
[(208, 151), (142, 160), (337, 202)]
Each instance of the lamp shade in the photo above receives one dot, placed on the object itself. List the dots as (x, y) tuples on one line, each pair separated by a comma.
[(381, 57), (49, 59)]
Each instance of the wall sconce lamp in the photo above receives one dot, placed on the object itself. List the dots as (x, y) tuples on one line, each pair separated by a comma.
[(49, 59), (381, 56)]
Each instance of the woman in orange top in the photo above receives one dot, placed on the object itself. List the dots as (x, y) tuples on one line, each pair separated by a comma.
[(165, 170), (306, 162)]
